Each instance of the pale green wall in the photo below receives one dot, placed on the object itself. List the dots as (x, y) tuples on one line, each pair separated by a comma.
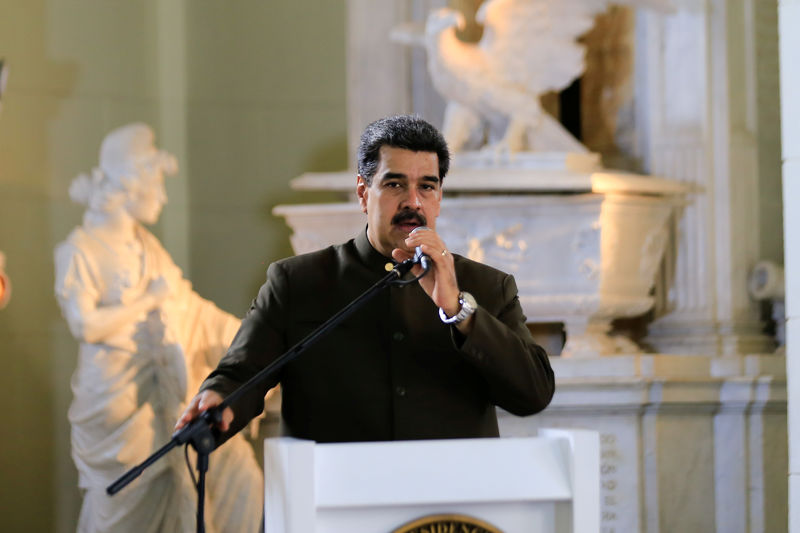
[(266, 93), (247, 93)]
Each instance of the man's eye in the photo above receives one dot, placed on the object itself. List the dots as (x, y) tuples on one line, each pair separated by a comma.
[(428, 187), (392, 184)]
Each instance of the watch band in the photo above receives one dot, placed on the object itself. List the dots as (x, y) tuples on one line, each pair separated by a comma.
[(468, 307)]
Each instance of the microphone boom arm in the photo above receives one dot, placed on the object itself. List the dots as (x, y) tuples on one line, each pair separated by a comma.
[(201, 433)]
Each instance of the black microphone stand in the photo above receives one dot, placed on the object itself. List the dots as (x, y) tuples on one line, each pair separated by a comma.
[(202, 434)]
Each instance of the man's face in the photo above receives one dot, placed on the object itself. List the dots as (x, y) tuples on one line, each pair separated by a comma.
[(405, 193)]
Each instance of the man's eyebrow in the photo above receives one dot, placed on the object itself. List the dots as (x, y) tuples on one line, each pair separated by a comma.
[(394, 176), (401, 176)]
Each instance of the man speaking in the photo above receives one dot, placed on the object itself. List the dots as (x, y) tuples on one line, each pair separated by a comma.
[(428, 360)]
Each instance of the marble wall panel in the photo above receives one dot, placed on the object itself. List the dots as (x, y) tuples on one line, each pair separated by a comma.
[(679, 452)]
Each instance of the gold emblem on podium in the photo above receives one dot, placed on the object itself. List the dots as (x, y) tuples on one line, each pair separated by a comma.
[(447, 523)]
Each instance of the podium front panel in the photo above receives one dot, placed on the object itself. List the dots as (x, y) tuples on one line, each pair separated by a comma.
[(541, 484)]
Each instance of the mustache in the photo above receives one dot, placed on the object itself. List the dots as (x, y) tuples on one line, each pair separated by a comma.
[(407, 215)]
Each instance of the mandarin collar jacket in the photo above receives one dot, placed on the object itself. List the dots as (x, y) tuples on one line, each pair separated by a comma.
[(392, 370)]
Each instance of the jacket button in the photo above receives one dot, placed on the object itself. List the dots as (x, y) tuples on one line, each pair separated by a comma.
[(401, 391), (398, 336)]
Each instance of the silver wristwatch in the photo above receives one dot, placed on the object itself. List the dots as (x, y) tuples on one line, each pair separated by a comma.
[(468, 306)]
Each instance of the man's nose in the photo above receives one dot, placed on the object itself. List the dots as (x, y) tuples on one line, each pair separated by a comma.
[(413, 199)]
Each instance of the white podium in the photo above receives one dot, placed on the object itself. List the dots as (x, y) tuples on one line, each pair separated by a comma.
[(549, 483)]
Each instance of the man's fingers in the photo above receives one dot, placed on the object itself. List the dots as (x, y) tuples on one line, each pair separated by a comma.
[(227, 418), (208, 400), (188, 414), (400, 255), (186, 417), (203, 402)]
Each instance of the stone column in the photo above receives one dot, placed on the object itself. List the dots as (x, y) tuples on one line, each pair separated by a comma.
[(687, 443), (697, 99), (385, 77), (377, 69), (789, 15)]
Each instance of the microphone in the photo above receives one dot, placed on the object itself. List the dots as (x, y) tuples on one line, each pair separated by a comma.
[(421, 258)]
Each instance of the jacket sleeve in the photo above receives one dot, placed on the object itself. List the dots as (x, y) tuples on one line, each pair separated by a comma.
[(516, 369), (259, 341)]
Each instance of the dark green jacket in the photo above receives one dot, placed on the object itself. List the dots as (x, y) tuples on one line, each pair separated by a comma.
[(393, 370)]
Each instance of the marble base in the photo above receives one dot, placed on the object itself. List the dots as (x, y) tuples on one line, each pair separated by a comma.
[(583, 255), (671, 334), (517, 179), (491, 160), (688, 443)]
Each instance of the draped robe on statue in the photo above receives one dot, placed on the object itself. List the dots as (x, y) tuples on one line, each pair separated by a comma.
[(130, 387)]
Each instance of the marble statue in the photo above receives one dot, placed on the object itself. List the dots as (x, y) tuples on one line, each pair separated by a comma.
[(146, 338), (528, 48)]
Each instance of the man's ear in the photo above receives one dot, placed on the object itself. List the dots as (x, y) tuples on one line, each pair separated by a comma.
[(362, 191)]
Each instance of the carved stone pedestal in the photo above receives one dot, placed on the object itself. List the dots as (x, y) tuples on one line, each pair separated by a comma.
[(584, 247)]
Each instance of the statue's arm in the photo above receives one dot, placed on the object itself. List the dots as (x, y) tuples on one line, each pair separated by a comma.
[(78, 298), (94, 323)]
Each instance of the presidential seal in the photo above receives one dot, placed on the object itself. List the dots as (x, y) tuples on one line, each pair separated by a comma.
[(447, 523)]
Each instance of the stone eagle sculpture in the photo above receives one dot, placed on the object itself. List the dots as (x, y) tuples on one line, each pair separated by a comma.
[(528, 47)]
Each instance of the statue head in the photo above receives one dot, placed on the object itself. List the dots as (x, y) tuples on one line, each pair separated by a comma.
[(130, 176)]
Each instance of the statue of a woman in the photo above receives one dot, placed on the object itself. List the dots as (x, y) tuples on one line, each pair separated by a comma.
[(146, 338)]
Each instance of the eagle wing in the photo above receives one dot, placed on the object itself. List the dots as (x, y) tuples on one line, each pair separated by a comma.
[(533, 43)]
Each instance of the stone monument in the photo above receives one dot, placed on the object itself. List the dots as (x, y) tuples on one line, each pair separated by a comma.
[(146, 341), (494, 87), (693, 436)]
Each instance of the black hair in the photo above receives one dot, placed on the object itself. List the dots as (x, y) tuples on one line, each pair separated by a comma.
[(400, 131)]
